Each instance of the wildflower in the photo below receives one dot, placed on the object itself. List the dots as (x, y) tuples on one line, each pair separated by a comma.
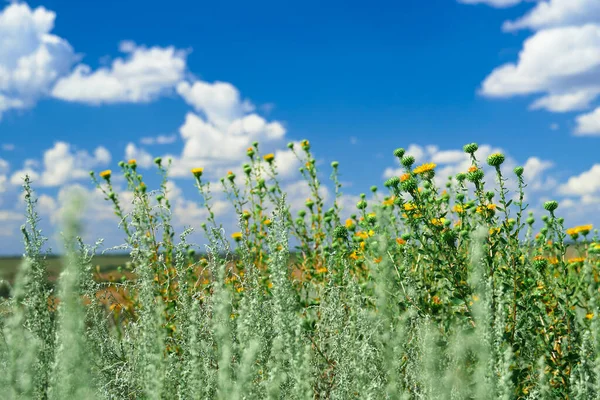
[(495, 160), (399, 152), (361, 205), (576, 260), (438, 221), (132, 162), (459, 209), (305, 144), (250, 152), (408, 161), (519, 171), (269, 157), (470, 148), (237, 236), (197, 172), (424, 168), (267, 222), (390, 201), (362, 234), (377, 260), (340, 232), (354, 256), (589, 315), (493, 231), (349, 223), (106, 174), (551, 205), (400, 241), (475, 174), (404, 177), (410, 206)]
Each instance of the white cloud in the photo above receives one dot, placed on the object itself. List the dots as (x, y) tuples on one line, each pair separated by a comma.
[(493, 3), (31, 58), (588, 124), (142, 157), (144, 75), (573, 101), (553, 13), (224, 126), (557, 61), (586, 183), (220, 102), (62, 164), (160, 139)]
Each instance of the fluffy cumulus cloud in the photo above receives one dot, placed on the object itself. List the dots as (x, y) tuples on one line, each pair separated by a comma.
[(142, 76), (585, 184), (31, 58), (588, 124), (559, 62), (61, 164), (222, 127), (553, 13)]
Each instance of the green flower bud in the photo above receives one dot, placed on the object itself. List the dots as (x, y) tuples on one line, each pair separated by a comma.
[(408, 161), (461, 176), (405, 236), (334, 164), (551, 205), (460, 196), (399, 152), (340, 232), (158, 161), (519, 171), (302, 213), (290, 145), (361, 205), (470, 148), (373, 188), (530, 221), (495, 160)]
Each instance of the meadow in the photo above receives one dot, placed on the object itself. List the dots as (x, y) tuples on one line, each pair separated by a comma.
[(430, 294)]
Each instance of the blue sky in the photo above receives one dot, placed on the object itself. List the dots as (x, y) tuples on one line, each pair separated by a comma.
[(86, 84)]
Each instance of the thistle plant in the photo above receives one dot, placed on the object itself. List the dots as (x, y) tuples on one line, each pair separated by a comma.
[(425, 293)]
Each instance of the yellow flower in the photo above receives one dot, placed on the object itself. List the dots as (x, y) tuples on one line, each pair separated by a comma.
[(237, 236), (404, 177), (197, 172), (132, 161), (389, 201), (473, 168), (106, 174), (424, 168), (321, 270), (349, 223), (377, 260), (576, 260), (438, 221), (400, 241), (371, 232), (589, 315), (362, 234), (494, 231), (409, 207), (583, 229), (458, 209), (353, 256), (269, 157), (267, 222), (371, 214)]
